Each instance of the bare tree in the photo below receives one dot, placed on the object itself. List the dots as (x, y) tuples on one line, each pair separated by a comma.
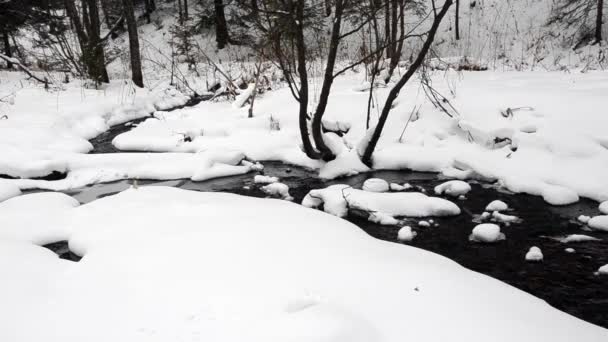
[(394, 92), (457, 20), (221, 27)]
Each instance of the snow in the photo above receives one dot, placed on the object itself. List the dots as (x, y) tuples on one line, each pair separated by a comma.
[(497, 205), (534, 254), (261, 179), (8, 190), (599, 223), (603, 270), (399, 187), (498, 217), (570, 250), (577, 238), (583, 218), (406, 234), (486, 233), (604, 207), (383, 219), (453, 188), (375, 185), (424, 224), (164, 264), (279, 190), (336, 199)]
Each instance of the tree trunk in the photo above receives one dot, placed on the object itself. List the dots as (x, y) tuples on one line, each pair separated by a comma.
[(387, 27), (457, 20), (303, 73), (221, 28), (136, 74), (180, 12), (317, 132), (147, 10), (106, 14), (598, 21), (397, 43), (371, 146), (96, 58), (7, 49), (394, 21), (152, 5), (185, 9)]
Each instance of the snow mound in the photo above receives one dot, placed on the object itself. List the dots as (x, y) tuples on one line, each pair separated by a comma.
[(497, 205), (261, 179), (577, 238), (570, 250), (453, 188), (164, 264), (8, 190), (498, 217), (279, 190), (337, 199), (599, 223), (604, 207), (603, 270), (383, 219), (375, 185), (583, 218), (486, 233), (406, 234), (534, 254)]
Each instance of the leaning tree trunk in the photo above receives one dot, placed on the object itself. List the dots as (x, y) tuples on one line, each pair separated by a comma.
[(371, 146), (598, 21), (221, 27), (136, 74), (7, 49)]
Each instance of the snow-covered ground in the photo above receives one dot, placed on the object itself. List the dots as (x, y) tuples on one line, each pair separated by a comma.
[(555, 147), (164, 264)]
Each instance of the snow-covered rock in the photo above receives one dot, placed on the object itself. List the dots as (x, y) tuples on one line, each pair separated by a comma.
[(599, 223), (375, 185), (570, 250), (577, 238), (262, 179), (453, 188), (406, 234), (604, 207), (487, 233), (336, 199), (382, 218), (497, 205), (399, 187), (8, 190), (278, 189), (498, 217), (603, 270), (583, 218), (424, 224), (534, 254)]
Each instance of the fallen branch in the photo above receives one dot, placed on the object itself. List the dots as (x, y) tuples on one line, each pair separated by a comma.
[(20, 65)]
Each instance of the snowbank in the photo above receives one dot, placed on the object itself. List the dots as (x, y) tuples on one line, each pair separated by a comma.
[(453, 188), (163, 264), (8, 190), (534, 254), (497, 205), (599, 223)]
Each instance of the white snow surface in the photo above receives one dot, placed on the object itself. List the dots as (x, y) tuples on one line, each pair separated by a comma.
[(262, 179), (599, 223), (278, 189), (497, 205), (50, 134), (453, 188), (577, 238), (8, 190), (336, 199), (603, 270), (486, 233), (534, 254), (164, 264)]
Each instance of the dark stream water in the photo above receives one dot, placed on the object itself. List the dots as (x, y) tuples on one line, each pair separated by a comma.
[(565, 280)]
